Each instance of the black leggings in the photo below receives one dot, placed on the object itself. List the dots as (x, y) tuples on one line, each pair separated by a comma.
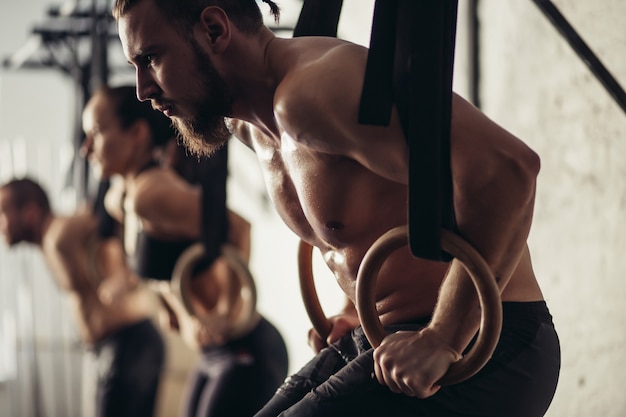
[(129, 365), (236, 379), (519, 380)]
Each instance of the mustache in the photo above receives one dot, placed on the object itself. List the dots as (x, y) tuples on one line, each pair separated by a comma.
[(160, 105)]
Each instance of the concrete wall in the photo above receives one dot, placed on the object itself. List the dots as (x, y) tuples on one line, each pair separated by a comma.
[(534, 85)]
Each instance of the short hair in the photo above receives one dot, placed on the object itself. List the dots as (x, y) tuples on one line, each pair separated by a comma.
[(128, 109), (25, 191), (245, 14)]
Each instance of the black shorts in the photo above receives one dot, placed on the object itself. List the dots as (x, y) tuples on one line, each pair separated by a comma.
[(129, 365), (236, 379), (519, 380)]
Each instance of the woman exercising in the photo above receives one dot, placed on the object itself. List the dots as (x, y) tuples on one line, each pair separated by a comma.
[(164, 214)]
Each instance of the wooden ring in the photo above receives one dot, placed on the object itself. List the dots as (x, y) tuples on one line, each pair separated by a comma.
[(182, 274), (481, 275), (307, 289)]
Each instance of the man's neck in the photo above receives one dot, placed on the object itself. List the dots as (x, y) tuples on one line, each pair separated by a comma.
[(254, 78)]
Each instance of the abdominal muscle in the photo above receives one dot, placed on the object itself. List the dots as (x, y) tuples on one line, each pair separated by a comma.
[(407, 287)]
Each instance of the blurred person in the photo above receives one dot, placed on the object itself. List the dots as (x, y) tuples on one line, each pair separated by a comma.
[(159, 196), (112, 311)]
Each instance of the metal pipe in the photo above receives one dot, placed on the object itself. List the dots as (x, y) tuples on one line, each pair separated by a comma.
[(474, 53), (584, 52)]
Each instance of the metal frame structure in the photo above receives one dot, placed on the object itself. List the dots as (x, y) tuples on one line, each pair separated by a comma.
[(74, 40), (583, 51)]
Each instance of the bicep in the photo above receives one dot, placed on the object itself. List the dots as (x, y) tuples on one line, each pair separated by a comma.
[(487, 160), (68, 256), (494, 175)]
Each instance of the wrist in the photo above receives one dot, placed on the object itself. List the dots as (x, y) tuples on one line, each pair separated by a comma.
[(442, 342)]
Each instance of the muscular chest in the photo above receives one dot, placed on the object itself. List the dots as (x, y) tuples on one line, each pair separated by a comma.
[(303, 185), (329, 200)]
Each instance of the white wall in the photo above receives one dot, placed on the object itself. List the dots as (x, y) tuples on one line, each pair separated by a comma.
[(40, 358), (536, 86)]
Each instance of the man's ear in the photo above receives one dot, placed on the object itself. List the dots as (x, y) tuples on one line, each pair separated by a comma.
[(217, 28)]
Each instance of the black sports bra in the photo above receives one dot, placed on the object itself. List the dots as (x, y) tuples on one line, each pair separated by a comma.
[(155, 258)]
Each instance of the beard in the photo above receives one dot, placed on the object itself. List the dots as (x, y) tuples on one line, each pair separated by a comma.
[(20, 233), (206, 131)]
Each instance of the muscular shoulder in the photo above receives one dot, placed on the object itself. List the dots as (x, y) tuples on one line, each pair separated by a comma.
[(166, 204), (317, 106), (321, 90), (156, 187), (479, 145), (68, 234), (67, 248)]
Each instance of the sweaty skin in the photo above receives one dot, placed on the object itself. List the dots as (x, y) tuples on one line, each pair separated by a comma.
[(340, 185)]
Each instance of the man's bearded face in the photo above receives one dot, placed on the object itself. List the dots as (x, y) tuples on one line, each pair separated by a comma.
[(205, 132)]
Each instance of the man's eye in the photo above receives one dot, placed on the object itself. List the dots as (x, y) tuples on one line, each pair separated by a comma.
[(145, 60)]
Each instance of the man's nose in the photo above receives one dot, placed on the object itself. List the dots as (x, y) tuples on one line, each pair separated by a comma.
[(146, 87)]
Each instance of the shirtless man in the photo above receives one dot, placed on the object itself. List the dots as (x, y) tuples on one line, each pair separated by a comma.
[(340, 185), (243, 359), (112, 312)]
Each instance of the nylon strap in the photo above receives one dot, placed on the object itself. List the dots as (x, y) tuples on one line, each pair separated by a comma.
[(410, 64), (214, 210), (318, 18), (107, 225), (211, 174)]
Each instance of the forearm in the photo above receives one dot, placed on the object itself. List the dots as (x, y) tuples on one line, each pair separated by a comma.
[(494, 214), (457, 313), (456, 316)]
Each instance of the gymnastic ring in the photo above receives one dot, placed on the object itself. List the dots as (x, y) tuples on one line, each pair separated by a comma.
[(182, 273), (481, 275), (307, 289)]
